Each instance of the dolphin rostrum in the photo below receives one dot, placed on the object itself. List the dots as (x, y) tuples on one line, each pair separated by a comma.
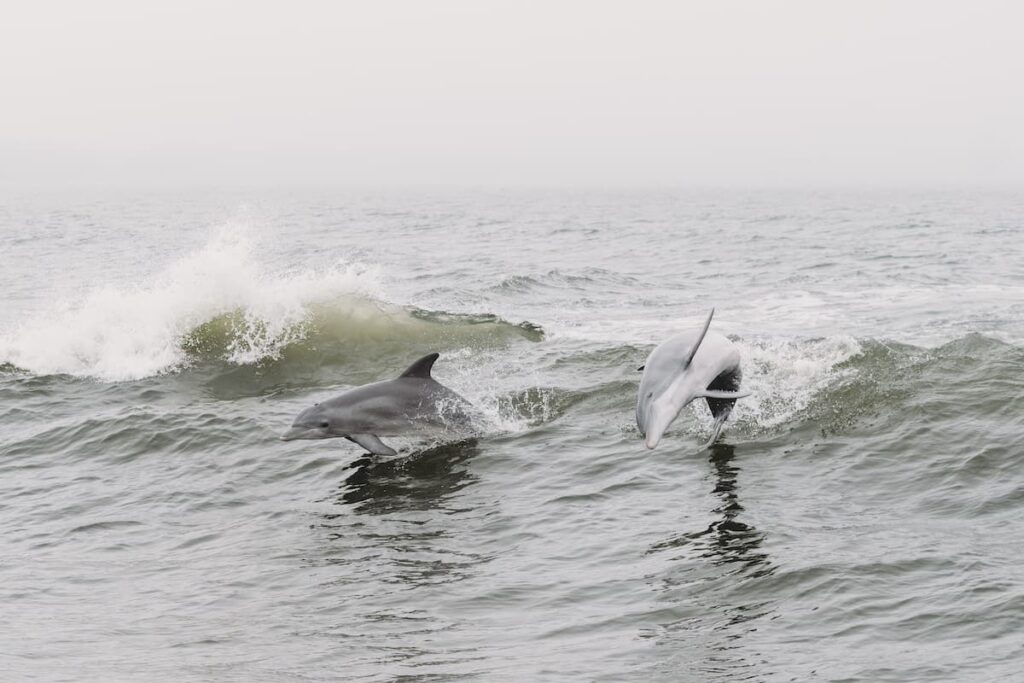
[(412, 404), (684, 367)]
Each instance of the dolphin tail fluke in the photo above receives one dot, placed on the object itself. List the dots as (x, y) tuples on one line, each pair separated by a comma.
[(719, 423), (371, 443)]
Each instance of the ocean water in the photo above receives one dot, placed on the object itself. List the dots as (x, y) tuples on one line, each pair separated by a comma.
[(862, 518)]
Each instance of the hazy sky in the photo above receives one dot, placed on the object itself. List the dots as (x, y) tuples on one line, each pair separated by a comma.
[(707, 93)]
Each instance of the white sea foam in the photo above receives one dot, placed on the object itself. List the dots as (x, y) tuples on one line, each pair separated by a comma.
[(485, 379), (784, 375), (129, 332)]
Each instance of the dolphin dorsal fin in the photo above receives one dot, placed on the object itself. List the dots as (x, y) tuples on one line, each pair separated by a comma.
[(421, 368), (700, 338)]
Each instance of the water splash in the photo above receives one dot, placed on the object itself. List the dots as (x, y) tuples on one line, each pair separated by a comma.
[(221, 302), (785, 375)]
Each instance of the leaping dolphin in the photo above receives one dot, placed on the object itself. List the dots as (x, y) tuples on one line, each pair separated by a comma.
[(684, 367), (412, 404)]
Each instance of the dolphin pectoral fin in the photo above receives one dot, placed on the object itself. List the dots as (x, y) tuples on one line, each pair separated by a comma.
[(371, 443), (727, 395)]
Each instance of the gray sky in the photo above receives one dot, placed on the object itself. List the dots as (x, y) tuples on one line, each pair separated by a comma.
[(898, 92)]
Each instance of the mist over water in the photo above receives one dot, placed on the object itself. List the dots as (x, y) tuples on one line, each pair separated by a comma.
[(859, 519)]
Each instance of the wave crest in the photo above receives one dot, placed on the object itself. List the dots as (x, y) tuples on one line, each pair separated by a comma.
[(219, 303)]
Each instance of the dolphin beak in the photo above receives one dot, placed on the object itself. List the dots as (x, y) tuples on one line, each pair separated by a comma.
[(655, 425), (294, 433), (660, 417), (306, 433)]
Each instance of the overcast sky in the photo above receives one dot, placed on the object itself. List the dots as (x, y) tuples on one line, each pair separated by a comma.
[(711, 93)]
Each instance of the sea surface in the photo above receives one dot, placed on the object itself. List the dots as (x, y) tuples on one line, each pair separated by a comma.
[(861, 519)]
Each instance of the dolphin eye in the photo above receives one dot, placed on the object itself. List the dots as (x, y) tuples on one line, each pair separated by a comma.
[(650, 393), (325, 425)]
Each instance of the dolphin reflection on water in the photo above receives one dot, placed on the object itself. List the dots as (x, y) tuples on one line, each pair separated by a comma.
[(423, 481)]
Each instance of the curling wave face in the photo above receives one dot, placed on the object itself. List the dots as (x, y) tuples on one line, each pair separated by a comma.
[(218, 304)]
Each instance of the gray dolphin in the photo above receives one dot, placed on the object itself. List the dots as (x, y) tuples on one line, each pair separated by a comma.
[(412, 404), (684, 367)]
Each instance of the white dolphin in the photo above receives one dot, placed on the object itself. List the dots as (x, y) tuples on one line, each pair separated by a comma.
[(684, 367)]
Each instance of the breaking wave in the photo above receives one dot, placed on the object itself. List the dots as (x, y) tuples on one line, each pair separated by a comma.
[(220, 303)]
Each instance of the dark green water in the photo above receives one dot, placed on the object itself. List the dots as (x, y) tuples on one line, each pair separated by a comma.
[(860, 520)]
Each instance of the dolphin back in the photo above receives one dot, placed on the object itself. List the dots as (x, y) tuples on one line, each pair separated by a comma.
[(666, 362), (398, 406)]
